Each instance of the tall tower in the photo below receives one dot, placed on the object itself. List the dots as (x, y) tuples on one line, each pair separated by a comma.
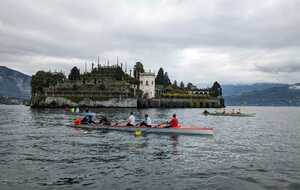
[(147, 84)]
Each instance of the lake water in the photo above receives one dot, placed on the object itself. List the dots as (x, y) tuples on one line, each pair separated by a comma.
[(39, 151)]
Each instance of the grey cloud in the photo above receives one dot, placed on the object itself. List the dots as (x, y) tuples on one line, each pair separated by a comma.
[(282, 67), (154, 32)]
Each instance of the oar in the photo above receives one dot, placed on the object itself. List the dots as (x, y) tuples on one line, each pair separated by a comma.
[(163, 123)]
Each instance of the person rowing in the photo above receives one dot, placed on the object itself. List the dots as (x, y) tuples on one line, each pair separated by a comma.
[(173, 123), (131, 120), (88, 117), (205, 112), (104, 121), (147, 122)]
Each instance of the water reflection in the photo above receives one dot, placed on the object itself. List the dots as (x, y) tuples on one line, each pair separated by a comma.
[(174, 140)]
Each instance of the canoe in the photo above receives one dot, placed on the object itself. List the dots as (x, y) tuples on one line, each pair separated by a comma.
[(231, 114), (144, 130)]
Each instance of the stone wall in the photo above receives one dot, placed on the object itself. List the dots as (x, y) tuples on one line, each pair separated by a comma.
[(180, 103), (86, 102)]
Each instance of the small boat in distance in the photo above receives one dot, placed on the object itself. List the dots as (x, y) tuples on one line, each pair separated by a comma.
[(232, 114)]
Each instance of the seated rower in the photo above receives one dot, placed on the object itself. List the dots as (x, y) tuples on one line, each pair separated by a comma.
[(131, 120), (205, 112), (173, 123), (88, 118), (104, 121), (147, 122)]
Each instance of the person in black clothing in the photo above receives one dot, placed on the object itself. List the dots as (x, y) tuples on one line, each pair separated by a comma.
[(147, 122), (104, 121), (88, 119)]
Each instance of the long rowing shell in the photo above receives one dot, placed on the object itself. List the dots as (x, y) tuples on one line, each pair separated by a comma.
[(232, 115), (167, 131)]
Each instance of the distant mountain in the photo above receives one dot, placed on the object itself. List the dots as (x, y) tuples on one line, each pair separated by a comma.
[(14, 84), (286, 95), (234, 90)]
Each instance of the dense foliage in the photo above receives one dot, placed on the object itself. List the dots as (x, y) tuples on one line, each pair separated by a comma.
[(175, 84), (162, 78), (190, 86), (44, 79), (138, 68), (181, 85), (74, 74), (216, 89), (166, 79), (105, 72)]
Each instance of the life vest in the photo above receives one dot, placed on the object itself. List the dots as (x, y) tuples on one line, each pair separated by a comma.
[(77, 121), (174, 123)]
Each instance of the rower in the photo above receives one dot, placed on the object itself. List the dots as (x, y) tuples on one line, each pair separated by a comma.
[(131, 120), (88, 117), (173, 122), (147, 122), (205, 112), (104, 121)]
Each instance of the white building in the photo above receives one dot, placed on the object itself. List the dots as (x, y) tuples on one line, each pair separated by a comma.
[(147, 84)]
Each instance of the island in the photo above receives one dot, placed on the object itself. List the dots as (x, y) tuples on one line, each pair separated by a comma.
[(115, 86)]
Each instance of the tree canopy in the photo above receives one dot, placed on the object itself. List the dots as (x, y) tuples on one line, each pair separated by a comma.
[(189, 86), (166, 79), (44, 79), (162, 78), (181, 85), (175, 83), (138, 68), (216, 89), (74, 74)]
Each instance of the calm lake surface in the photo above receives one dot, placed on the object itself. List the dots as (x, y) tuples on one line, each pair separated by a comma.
[(39, 151)]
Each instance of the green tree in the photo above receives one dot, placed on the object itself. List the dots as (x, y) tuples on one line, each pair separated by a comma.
[(175, 84), (44, 79), (190, 86), (138, 68), (119, 73), (160, 77), (74, 74), (57, 78), (166, 79), (216, 89), (181, 85)]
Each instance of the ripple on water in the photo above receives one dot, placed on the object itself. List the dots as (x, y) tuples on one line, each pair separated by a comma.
[(39, 151)]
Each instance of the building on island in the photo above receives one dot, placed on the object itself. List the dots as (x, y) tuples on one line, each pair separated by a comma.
[(205, 91), (147, 84)]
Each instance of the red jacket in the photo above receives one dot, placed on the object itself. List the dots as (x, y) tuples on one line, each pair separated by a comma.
[(174, 123)]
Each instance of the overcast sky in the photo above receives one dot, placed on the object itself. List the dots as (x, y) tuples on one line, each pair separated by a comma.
[(198, 41)]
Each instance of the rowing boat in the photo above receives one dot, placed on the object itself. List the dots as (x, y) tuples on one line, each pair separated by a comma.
[(145, 130), (231, 114)]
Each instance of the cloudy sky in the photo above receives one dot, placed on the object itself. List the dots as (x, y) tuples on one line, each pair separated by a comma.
[(199, 41)]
